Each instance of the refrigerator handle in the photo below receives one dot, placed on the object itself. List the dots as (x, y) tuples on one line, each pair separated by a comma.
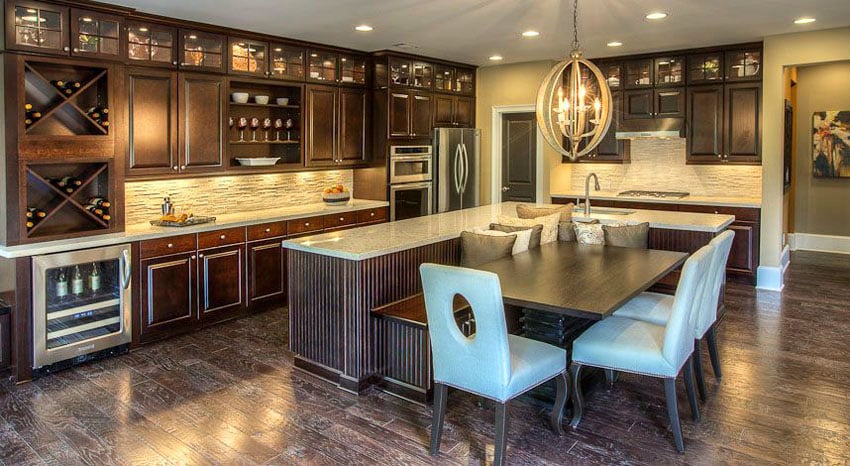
[(126, 268), (465, 166), (458, 167)]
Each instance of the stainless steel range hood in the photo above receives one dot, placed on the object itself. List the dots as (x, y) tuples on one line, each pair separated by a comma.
[(657, 128)]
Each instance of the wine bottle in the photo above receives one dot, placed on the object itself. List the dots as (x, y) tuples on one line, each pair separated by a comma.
[(69, 181), (99, 202), (104, 123), (28, 121), (27, 106), (77, 282), (94, 209), (58, 84), (30, 224), (61, 284), (94, 278), (106, 217), (34, 212)]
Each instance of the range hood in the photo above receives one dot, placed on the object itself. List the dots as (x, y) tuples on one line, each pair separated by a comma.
[(651, 128)]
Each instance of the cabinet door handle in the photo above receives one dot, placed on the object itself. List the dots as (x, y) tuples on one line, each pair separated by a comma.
[(174, 168), (76, 50), (174, 63), (66, 49), (342, 219), (170, 245), (192, 257), (222, 236), (719, 156), (268, 230), (306, 224), (200, 256), (371, 214), (182, 167), (716, 212)]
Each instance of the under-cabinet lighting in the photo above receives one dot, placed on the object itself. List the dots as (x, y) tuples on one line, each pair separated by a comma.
[(530, 34), (363, 28), (496, 57), (804, 20), (614, 43), (656, 15)]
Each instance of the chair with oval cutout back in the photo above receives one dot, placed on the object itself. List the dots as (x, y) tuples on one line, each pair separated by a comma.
[(490, 363), (628, 345)]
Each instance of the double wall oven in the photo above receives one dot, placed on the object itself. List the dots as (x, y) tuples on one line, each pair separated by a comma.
[(411, 181)]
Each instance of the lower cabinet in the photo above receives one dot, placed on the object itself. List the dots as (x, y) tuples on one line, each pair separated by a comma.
[(221, 283), (5, 341), (168, 289), (266, 272)]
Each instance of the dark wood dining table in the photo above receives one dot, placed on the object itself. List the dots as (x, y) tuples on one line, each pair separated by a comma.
[(580, 280)]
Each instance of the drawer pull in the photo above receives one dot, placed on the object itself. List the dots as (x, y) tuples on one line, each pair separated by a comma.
[(170, 245), (371, 214), (200, 256), (716, 212), (192, 257), (222, 237), (306, 224), (268, 230), (342, 219)]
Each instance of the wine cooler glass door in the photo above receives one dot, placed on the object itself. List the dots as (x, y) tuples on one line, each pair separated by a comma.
[(81, 303)]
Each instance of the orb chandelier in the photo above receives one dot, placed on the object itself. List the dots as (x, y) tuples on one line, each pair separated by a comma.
[(574, 103)]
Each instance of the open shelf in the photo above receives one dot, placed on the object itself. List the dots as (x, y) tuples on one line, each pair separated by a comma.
[(265, 142), (63, 95), (237, 104)]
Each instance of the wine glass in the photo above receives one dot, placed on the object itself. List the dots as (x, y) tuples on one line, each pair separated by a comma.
[(267, 124), (255, 124), (230, 123), (243, 123), (278, 124), (289, 125)]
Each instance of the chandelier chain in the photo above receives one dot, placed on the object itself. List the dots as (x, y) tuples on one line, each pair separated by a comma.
[(575, 25)]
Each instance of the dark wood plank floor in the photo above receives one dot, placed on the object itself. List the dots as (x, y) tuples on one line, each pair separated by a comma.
[(229, 395)]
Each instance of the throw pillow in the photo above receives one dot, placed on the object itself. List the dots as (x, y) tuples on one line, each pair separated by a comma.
[(549, 222), (534, 239), (530, 211), (523, 237), (589, 233), (479, 249), (566, 231), (627, 236)]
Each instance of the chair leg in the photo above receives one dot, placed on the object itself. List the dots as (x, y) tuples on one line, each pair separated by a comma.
[(501, 431), (557, 416), (610, 377), (440, 392), (575, 373), (673, 413), (689, 385), (712, 351), (697, 357)]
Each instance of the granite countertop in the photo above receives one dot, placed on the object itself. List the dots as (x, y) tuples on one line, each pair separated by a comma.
[(378, 240), (727, 201), (144, 231)]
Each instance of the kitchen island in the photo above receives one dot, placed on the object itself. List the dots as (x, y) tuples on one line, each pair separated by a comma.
[(336, 279)]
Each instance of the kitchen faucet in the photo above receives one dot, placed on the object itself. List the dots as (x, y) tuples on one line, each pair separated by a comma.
[(587, 192)]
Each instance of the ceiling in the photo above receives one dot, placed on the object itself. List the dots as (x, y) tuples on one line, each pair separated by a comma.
[(470, 31)]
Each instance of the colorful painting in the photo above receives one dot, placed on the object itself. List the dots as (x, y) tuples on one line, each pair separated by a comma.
[(831, 144)]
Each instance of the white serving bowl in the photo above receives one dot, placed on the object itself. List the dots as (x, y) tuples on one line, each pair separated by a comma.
[(239, 97), (336, 198), (261, 99), (282, 101)]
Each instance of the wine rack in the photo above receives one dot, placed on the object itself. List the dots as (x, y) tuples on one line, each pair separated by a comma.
[(66, 212), (63, 95), (284, 143)]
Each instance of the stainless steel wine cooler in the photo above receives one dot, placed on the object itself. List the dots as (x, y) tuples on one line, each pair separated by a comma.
[(81, 304)]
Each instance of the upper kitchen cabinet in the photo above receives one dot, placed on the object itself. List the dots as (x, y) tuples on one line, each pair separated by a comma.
[(201, 51), (334, 68), (152, 120), (454, 111), (335, 126), (654, 103), (705, 68), (286, 62), (613, 73), (352, 69), (669, 71), (409, 114), (201, 99), (638, 74), (248, 57), (724, 124), (403, 71), (453, 79), (611, 149), (742, 134), (50, 29), (151, 44), (743, 64)]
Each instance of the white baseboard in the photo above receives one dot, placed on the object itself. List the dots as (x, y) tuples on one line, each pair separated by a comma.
[(770, 278), (785, 258), (820, 243)]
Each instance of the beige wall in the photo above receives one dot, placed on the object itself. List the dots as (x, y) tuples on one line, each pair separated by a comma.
[(821, 204), (514, 84), (781, 51)]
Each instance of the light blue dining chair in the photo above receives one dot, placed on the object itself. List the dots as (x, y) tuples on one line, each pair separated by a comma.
[(628, 345), (490, 363), (656, 308)]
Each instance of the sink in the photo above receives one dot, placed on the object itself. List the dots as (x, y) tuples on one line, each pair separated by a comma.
[(604, 211)]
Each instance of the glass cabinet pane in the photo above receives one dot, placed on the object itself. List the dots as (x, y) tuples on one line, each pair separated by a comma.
[(464, 82), (400, 72), (443, 78), (705, 68), (287, 62), (352, 69), (611, 71), (639, 73), (743, 64), (423, 75), (323, 66), (669, 70), (96, 35), (248, 57), (38, 27), (150, 43), (202, 50)]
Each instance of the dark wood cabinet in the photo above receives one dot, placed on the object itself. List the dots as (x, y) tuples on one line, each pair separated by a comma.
[(743, 64), (638, 73), (336, 120), (454, 111), (611, 149), (151, 44), (724, 123), (37, 27), (221, 283), (322, 66), (352, 126), (653, 103), (454, 79), (248, 57), (743, 122), (152, 121), (409, 114), (705, 68), (266, 272), (420, 115), (96, 35), (202, 51), (5, 340), (286, 62), (744, 253), (704, 123), (403, 71), (201, 99), (669, 71), (637, 104), (168, 291)]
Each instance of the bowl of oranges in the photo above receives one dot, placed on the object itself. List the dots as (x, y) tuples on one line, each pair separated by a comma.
[(337, 194)]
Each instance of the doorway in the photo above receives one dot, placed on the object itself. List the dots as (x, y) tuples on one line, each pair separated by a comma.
[(519, 157)]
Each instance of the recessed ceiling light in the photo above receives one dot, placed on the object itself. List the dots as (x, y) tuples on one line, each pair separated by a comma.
[(615, 43), (530, 34), (363, 28), (496, 57), (656, 15), (143, 29), (804, 20)]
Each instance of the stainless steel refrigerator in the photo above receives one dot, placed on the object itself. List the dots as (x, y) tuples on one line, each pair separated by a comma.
[(457, 157)]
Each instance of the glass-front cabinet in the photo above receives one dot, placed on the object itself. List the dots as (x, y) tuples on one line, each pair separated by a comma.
[(444, 77), (201, 50), (352, 69), (151, 44), (322, 66), (613, 74), (286, 62), (705, 68), (639, 74), (400, 72), (743, 65), (465, 81), (95, 35), (37, 27), (669, 71), (248, 57), (422, 75)]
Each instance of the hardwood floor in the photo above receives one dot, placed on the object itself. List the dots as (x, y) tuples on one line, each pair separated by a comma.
[(230, 395)]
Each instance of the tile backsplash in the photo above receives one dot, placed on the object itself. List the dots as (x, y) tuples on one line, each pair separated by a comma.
[(659, 164), (230, 194)]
